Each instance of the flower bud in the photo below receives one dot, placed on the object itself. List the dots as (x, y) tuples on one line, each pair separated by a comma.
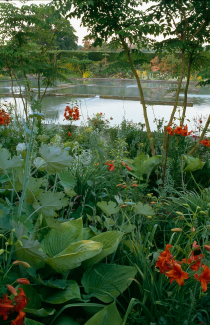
[(23, 281), (12, 289), (207, 247), (176, 230), (179, 213), (186, 205)]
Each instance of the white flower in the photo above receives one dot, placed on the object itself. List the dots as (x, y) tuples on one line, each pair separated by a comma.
[(21, 147)]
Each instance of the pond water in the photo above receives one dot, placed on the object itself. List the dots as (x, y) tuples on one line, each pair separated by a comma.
[(53, 106)]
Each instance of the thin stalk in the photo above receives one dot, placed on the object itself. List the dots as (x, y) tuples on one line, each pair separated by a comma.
[(185, 91), (149, 132), (176, 99), (201, 137), (26, 171), (165, 162)]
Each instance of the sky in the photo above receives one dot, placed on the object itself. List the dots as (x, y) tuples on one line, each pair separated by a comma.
[(81, 32)]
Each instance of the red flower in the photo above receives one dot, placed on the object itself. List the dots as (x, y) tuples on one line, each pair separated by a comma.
[(204, 278), (195, 261), (169, 130), (178, 130), (23, 281), (134, 185), (110, 166), (72, 113), (19, 319), (177, 274), (164, 260), (128, 168), (5, 307), (69, 134), (205, 142), (4, 117), (123, 163), (20, 300)]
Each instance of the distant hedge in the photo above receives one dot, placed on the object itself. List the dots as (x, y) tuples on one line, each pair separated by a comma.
[(99, 56)]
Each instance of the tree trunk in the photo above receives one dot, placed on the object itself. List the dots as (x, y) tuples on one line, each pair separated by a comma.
[(201, 137), (185, 91), (149, 132), (177, 97)]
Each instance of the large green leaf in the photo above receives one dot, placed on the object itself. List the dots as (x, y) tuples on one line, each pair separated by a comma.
[(193, 164), (144, 209), (74, 255), (28, 321), (67, 179), (43, 312), (52, 283), (6, 162), (59, 296), (107, 281), (108, 207), (107, 316), (110, 241), (150, 164), (65, 320), (56, 159), (50, 202), (59, 239)]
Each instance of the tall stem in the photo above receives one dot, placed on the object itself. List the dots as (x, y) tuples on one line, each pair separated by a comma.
[(164, 175), (201, 137), (177, 97), (26, 171), (149, 132), (185, 91)]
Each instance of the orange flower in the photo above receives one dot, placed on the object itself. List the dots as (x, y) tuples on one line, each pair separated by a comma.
[(5, 307), (19, 318), (118, 185), (195, 261), (4, 117), (185, 132), (123, 163), (204, 278), (205, 142), (177, 274), (72, 113), (124, 186), (69, 134), (134, 185), (169, 130), (178, 130), (128, 168), (164, 260), (111, 166), (20, 300)]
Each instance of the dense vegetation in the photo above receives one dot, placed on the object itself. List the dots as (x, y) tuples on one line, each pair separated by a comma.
[(99, 224)]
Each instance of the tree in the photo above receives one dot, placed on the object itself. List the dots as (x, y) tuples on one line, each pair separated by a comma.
[(121, 22), (185, 23), (27, 34)]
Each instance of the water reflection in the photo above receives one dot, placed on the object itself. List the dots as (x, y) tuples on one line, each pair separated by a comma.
[(53, 106)]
